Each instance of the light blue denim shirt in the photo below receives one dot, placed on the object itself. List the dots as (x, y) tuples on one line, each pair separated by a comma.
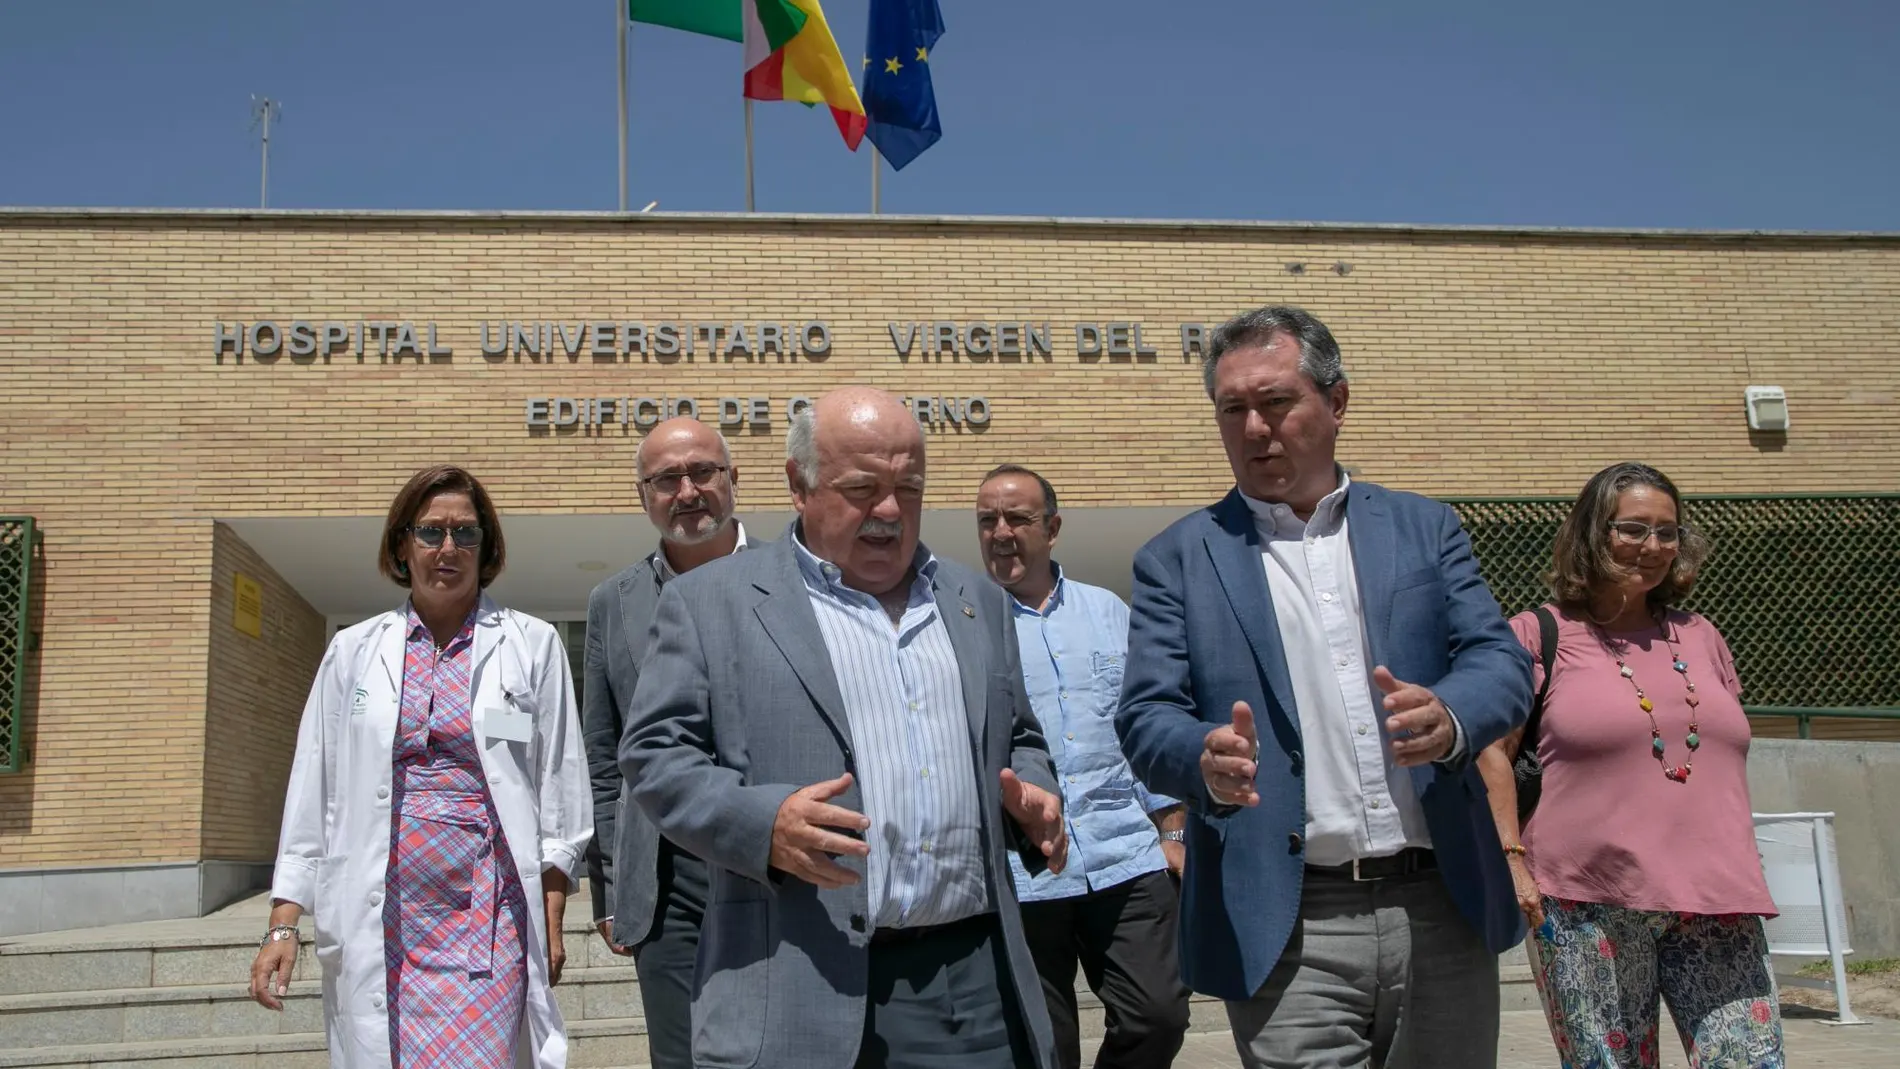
[(1072, 654)]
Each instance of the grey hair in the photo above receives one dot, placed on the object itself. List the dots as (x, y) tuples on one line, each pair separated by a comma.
[(1319, 353), (640, 456), (801, 447)]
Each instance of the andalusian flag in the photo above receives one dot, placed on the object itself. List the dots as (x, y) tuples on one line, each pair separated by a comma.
[(791, 55), (714, 18)]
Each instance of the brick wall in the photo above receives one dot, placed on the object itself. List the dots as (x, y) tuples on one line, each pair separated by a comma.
[(254, 697), (1482, 363)]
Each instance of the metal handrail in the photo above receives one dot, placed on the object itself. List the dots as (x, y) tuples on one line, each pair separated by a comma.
[(1804, 714)]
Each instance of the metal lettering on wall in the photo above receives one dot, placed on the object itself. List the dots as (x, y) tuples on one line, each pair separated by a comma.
[(642, 413), (618, 341), (751, 343)]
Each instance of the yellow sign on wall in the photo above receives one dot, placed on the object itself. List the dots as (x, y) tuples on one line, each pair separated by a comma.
[(248, 606)]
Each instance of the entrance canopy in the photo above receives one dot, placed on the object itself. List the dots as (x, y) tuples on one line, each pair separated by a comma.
[(554, 561)]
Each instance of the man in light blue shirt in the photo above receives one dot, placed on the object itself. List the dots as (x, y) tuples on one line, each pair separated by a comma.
[(1112, 910)]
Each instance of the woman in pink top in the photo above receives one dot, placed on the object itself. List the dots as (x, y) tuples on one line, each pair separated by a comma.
[(1638, 872)]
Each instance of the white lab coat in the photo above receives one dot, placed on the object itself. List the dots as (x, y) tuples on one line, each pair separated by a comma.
[(333, 852)]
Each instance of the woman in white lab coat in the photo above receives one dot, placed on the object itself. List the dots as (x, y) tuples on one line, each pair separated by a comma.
[(437, 811)]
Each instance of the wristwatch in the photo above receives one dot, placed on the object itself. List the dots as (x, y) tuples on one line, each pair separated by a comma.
[(1176, 836)]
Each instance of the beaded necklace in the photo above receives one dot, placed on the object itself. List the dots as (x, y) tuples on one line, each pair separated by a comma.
[(1677, 773)]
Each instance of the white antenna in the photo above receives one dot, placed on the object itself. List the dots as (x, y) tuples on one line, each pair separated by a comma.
[(263, 110)]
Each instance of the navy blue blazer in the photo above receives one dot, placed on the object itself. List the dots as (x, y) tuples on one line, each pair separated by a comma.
[(1203, 636)]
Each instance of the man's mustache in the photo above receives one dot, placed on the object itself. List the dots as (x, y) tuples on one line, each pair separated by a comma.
[(876, 528)]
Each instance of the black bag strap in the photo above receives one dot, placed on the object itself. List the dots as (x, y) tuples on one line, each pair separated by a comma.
[(1547, 634)]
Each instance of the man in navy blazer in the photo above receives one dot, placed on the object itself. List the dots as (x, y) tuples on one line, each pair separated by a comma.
[(1313, 663)]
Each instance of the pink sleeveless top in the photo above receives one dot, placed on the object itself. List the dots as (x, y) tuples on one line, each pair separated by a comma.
[(1610, 828)]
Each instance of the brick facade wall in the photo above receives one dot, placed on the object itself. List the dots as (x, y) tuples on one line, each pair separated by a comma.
[(1482, 363), (254, 698)]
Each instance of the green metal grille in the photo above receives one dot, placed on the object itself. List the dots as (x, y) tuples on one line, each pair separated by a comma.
[(1805, 588), (16, 588)]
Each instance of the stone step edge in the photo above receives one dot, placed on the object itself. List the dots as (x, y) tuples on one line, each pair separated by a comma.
[(294, 1042), (300, 989), (220, 934), (297, 1042), (54, 1000), (230, 932), (303, 988)]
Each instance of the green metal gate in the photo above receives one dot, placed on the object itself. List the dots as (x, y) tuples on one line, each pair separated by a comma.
[(16, 595), (1805, 587)]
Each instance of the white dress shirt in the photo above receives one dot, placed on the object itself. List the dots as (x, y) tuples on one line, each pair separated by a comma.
[(1359, 803)]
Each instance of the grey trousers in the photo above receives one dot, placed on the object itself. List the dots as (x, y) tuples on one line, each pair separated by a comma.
[(941, 998), (1378, 975), (665, 961)]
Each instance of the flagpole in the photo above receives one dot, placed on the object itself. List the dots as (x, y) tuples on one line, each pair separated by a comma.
[(748, 154), (620, 36), (876, 174)]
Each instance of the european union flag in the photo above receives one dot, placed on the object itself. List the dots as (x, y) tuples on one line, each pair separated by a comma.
[(898, 98)]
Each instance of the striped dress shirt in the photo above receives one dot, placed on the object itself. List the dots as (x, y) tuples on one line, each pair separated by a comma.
[(916, 768)]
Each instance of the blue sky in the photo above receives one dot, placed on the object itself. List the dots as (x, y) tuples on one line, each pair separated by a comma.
[(1695, 113)]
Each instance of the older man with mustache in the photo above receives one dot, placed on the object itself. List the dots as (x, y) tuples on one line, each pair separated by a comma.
[(837, 724), (650, 895)]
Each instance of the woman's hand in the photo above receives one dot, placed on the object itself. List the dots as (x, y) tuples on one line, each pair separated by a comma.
[(554, 901), (277, 959), (271, 973), (1529, 899)]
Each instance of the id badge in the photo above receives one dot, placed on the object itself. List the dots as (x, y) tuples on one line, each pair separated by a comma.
[(509, 722)]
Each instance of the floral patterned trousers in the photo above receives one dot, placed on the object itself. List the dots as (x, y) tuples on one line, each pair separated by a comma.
[(1601, 970)]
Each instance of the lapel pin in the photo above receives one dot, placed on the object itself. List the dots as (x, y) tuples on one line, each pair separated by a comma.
[(971, 613)]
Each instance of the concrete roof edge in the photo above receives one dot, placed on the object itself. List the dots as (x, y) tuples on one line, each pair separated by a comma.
[(215, 215)]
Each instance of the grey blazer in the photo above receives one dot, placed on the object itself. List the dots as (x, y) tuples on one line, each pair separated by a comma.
[(736, 708), (622, 860)]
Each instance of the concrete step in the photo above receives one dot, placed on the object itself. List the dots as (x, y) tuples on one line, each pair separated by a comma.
[(172, 994), (209, 951), (600, 1043), (154, 954), (300, 1050), (225, 1011), (591, 1045)]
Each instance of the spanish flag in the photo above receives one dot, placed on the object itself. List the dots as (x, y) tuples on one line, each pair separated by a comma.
[(791, 55)]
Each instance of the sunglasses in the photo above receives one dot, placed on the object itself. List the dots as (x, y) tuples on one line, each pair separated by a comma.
[(465, 537)]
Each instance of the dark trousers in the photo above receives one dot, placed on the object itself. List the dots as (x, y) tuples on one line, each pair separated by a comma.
[(1124, 939), (941, 998), (665, 959)]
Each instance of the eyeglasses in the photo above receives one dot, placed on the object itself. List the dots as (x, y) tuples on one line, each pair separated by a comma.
[(1636, 532), (465, 537), (703, 475)]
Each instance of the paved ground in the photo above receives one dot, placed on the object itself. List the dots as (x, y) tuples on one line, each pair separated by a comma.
[(1524, 1043)]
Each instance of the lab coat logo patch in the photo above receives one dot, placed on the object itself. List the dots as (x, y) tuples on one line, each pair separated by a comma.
[(359, 702)]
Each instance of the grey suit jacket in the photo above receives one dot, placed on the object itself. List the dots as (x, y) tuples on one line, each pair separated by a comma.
[(736, 708), (622, 859)]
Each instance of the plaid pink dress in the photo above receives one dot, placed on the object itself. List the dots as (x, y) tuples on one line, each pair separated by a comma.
[(454, 915)]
